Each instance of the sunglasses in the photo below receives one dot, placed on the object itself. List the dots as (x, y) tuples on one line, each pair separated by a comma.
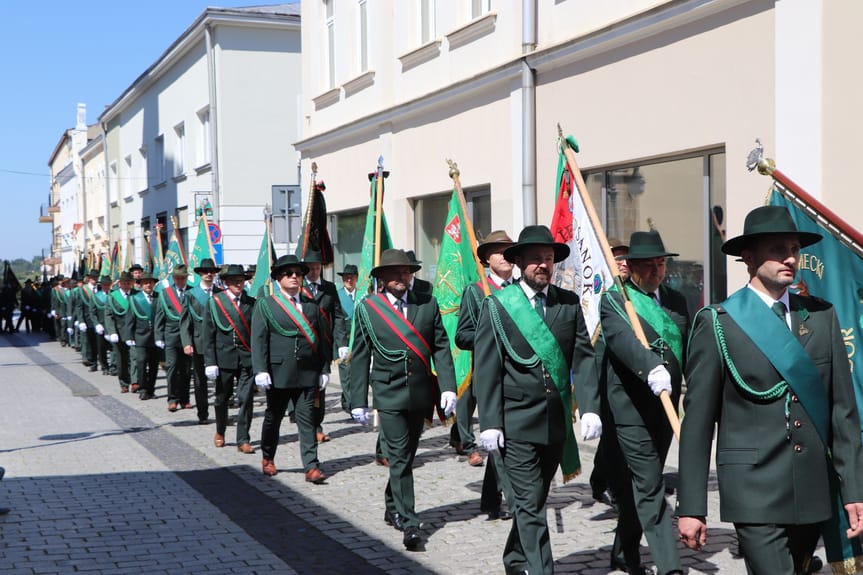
[(290, 273)]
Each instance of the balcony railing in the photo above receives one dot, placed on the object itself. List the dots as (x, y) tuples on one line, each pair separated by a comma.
[(45, 214)]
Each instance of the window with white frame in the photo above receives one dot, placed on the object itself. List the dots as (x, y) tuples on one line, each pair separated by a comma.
[(363, 35), (159, 159), (204, 137), (179, 159), (127, 176), (113, 182), (425, 21), (479, 8), (330, 35)]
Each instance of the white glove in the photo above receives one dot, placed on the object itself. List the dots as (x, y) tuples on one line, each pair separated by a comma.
[(343, 353), (100, 329), (52, 313), (70, 331), (82, 326), (659, 380), (360, 414), (161, 345), (591, 426), (211, 371), (130, 342), (114, 338), (491, 439), (263, 381), (323, 381), (69, 318), (447, 402)]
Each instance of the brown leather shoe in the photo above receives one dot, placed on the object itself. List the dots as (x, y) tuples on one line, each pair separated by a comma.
[(268, 466), (188, 405), (172, 406), (474, 459), (383, 461), (135, 387), (245, 448), (322, 437), (315, 476), (219, 440)]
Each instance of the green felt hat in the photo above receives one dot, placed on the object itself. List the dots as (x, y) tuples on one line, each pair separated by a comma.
[(350, 269), (767, 221), (232, 270), (207, 265), (536, 236), (395, 258), (645, 246)]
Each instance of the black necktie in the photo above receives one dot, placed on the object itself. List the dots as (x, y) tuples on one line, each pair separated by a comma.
[(314, 288), (779, 309), (537, 304), (400, 305), (505, 283)]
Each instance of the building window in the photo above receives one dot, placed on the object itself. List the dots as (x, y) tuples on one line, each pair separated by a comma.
[(287, 216), (140, 182), (678, 198), (479, 8), (127, 176), (429, 219), (113, 182), (363, 36), (204, 137), (181, 216), (348, 238), (162, 224), (330, 35), (425, 21), (159, 159), (179, 150)]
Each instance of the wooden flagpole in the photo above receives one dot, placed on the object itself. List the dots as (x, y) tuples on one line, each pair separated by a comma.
[(454, 173)]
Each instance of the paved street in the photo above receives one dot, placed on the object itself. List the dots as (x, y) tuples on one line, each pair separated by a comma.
[(100, 482)]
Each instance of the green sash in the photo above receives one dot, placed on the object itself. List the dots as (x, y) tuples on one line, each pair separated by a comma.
[(279, 305), (119, 304), (547, 351), (647, 308), (775, 340), (139, 302), (787, 355), (100, 299)]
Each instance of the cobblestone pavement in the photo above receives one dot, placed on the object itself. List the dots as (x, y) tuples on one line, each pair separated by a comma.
[(102, 483)]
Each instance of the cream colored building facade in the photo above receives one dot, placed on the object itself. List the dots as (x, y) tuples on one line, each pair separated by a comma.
[(666, 99)]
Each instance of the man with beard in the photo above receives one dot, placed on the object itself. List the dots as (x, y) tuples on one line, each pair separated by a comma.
[(530, 337), (397, 336)]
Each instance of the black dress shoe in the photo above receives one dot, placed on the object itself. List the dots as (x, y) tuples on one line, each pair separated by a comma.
[(631, 569), (145, 395), (412, 539), (4, 510), (499, 513), (393, 518)]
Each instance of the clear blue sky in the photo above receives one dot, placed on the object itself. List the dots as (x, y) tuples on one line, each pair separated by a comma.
[(54, 54)]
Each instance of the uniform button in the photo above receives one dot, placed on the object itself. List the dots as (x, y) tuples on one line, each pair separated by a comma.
[(798, 424), (410, 360), (410, 373), (794, 398), (798, 448)]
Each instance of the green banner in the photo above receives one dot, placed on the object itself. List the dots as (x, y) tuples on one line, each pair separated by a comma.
[(456, 269)]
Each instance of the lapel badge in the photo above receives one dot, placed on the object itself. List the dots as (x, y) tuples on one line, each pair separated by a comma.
[(802, 331)]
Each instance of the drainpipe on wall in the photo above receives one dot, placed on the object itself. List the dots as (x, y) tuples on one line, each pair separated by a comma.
[(107, 185), (214, 146), (528, 115)]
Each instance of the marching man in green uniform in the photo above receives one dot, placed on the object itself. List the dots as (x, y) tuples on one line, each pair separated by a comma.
[(770, 369), (177, 363), (192, 331), (530, 337), (397, 336), (115, 319), (105, 350), (638, 435), (291, 361), (342, 328), (82, 318), (139, 336), (59, 297), (500, 275), (228, 354)]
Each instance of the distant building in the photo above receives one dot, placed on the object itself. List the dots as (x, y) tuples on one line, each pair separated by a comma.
[(212, 121)]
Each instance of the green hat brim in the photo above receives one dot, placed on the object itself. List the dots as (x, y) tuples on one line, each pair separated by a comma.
[(736, 245)]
